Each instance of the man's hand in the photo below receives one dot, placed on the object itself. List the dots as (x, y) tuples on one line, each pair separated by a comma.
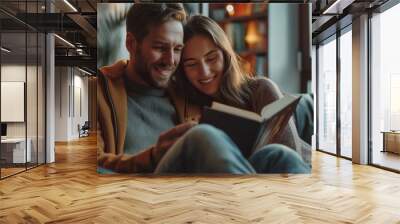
[(168, 138)]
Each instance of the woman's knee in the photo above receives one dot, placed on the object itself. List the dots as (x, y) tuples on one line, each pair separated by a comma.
[(277, 151), (276, 158), (202, 133), (206, 139)]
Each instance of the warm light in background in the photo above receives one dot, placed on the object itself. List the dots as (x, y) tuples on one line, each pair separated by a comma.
[(230, 9), (252, 36)]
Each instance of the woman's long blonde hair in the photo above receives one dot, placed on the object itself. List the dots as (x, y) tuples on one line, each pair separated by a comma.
[(234, 89)]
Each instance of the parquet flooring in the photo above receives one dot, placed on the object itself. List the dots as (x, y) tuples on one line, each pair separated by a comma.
[(70, 191), (9, 171)]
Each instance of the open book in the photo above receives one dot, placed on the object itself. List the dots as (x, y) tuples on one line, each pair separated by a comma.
[(248, 130)]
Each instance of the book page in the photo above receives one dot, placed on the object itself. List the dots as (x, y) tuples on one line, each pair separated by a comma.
[(273, 126), (275, 107)]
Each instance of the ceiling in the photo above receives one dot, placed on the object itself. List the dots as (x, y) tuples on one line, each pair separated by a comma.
[(21, 20), (326, 21)]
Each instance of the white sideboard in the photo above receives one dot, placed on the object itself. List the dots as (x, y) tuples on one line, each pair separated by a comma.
[(15, 148)]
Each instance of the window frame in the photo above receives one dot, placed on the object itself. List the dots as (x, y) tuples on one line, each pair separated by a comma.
[(333, 37)]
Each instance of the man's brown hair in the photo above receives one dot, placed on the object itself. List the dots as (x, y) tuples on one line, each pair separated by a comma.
[(142, 16)]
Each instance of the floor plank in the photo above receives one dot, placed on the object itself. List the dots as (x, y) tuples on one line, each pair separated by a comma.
[(70, 191)]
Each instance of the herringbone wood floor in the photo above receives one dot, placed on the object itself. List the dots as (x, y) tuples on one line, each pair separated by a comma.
[(70, 191)]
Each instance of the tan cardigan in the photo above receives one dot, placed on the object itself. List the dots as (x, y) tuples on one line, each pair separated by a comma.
[(112, 119)]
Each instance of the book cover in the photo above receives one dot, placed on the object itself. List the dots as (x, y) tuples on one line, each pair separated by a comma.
[(248, 130)]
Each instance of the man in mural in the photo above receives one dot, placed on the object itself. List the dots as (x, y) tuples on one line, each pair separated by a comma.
[(143, 123)]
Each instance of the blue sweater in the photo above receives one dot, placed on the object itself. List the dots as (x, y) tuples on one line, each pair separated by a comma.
[(151, 112)]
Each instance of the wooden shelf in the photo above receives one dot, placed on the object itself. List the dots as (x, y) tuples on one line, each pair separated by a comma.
[(260, 52)]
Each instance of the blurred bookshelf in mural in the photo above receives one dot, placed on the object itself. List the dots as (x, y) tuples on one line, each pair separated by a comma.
[(246, 28)]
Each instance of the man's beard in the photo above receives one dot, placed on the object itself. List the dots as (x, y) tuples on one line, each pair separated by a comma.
[(144, 72)]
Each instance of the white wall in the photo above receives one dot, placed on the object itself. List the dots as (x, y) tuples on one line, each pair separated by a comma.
[(17, 72), (82, 83), (61, 103), (13, 101), (71, 94), (33, 127), (80, 95), (13, 73)]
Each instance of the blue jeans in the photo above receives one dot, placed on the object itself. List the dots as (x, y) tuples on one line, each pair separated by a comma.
[(205, 149)]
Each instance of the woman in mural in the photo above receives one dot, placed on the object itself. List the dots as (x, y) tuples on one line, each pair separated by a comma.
[(210, 70)]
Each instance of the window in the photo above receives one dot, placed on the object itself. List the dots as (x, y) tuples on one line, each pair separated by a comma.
[(385, 85), (327, 96), (346, 93)]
